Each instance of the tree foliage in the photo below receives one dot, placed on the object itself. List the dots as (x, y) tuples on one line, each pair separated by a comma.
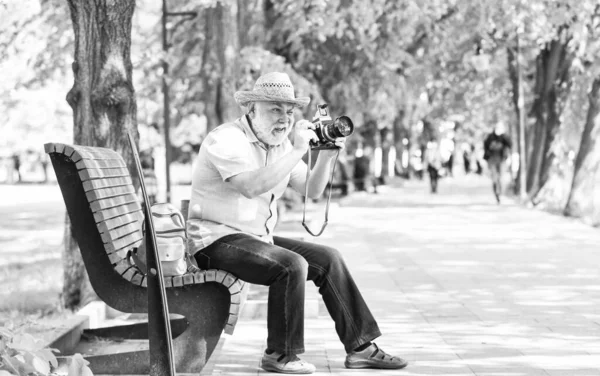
[(397, 64)]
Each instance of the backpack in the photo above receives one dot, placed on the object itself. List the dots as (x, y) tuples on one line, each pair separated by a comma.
[(171, 242)]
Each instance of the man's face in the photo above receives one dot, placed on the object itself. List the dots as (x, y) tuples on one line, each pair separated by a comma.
[(272, 121)]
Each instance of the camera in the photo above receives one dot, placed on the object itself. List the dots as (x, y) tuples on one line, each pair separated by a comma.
[(328, 130)]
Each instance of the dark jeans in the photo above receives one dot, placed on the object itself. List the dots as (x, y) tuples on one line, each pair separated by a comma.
[(495, 167), (285, 267)]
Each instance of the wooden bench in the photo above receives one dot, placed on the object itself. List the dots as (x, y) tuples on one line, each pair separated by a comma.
[(106, 219)]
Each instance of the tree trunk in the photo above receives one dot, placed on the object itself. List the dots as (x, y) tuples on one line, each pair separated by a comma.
[(219, 64), (251, 23), (103, 103), (580, 202), (514, 79), (552, 87)]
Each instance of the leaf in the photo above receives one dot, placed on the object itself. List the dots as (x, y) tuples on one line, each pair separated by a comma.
[(24, 342), (40, 365), (6, 332), (79, 366), (18, 365), (8, 364), (5, 373), (48, 356)]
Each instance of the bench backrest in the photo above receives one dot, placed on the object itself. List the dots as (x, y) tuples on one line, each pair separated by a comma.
[(109, 195)]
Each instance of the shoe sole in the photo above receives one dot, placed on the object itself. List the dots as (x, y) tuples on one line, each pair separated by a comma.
[(270, 368), (371, 364)]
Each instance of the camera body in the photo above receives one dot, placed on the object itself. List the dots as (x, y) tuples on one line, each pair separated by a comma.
[(328, 130)]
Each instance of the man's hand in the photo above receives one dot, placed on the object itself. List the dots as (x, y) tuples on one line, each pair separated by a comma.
[(303, 134), (331, 153)]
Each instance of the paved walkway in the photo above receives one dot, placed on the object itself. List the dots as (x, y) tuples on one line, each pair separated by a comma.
[(459, 285)]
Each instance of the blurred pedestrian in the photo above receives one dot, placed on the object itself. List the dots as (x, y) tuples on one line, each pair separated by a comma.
[(416, 164), (496, 147), (362, 168), (450, 164), (466, 161), (433, 160), (17, 166)]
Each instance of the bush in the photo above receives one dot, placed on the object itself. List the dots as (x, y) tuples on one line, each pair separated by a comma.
[(21, 355)]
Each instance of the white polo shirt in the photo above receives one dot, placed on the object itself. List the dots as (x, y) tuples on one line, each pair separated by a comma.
[(216, 207)]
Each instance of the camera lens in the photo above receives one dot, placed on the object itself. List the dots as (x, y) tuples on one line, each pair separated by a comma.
[(343, 127)]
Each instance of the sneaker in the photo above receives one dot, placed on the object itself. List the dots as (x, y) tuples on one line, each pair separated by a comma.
[(374, 357), (278, 362)]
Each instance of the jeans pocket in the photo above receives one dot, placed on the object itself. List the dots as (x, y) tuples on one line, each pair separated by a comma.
[(203, 260)]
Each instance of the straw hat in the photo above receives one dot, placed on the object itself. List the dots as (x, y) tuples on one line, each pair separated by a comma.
[(271, 87)]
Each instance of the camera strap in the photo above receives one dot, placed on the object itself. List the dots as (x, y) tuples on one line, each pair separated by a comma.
[(328, 196)]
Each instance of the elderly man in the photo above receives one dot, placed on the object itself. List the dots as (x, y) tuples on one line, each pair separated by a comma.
[(242, 168)]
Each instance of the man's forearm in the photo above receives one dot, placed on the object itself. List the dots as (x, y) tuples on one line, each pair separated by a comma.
[(319, 175), (257, 182)]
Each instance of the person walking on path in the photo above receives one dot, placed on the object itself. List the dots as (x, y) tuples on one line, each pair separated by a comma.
[(16, 158), (496, 148), (433, 160), (242, 168)]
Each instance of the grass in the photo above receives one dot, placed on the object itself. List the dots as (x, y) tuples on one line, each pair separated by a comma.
[(30, 291)]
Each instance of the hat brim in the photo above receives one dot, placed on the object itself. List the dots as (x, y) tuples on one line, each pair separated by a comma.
[(243, 98)]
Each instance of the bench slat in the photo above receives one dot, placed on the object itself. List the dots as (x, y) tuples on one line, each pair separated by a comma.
[(199, 277), (127, 242), (106, 183), (210, 275), (229, 280), (119, 232), (100, 193), (237, 287), (130, 273), (236, 298), (122, 266), (177, 281), (109, 224), (103, 173), (112, 202), (235, 308), (68, 151), (78, 152), (100, 163), (230, 326), (103, 215), (83, 152), (117, 256), (137, 278), (95, 149)]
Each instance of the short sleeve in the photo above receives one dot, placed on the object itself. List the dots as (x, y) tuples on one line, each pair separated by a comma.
[(229, 151)]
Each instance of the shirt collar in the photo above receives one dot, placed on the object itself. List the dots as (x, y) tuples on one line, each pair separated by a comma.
[(248, 130)]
